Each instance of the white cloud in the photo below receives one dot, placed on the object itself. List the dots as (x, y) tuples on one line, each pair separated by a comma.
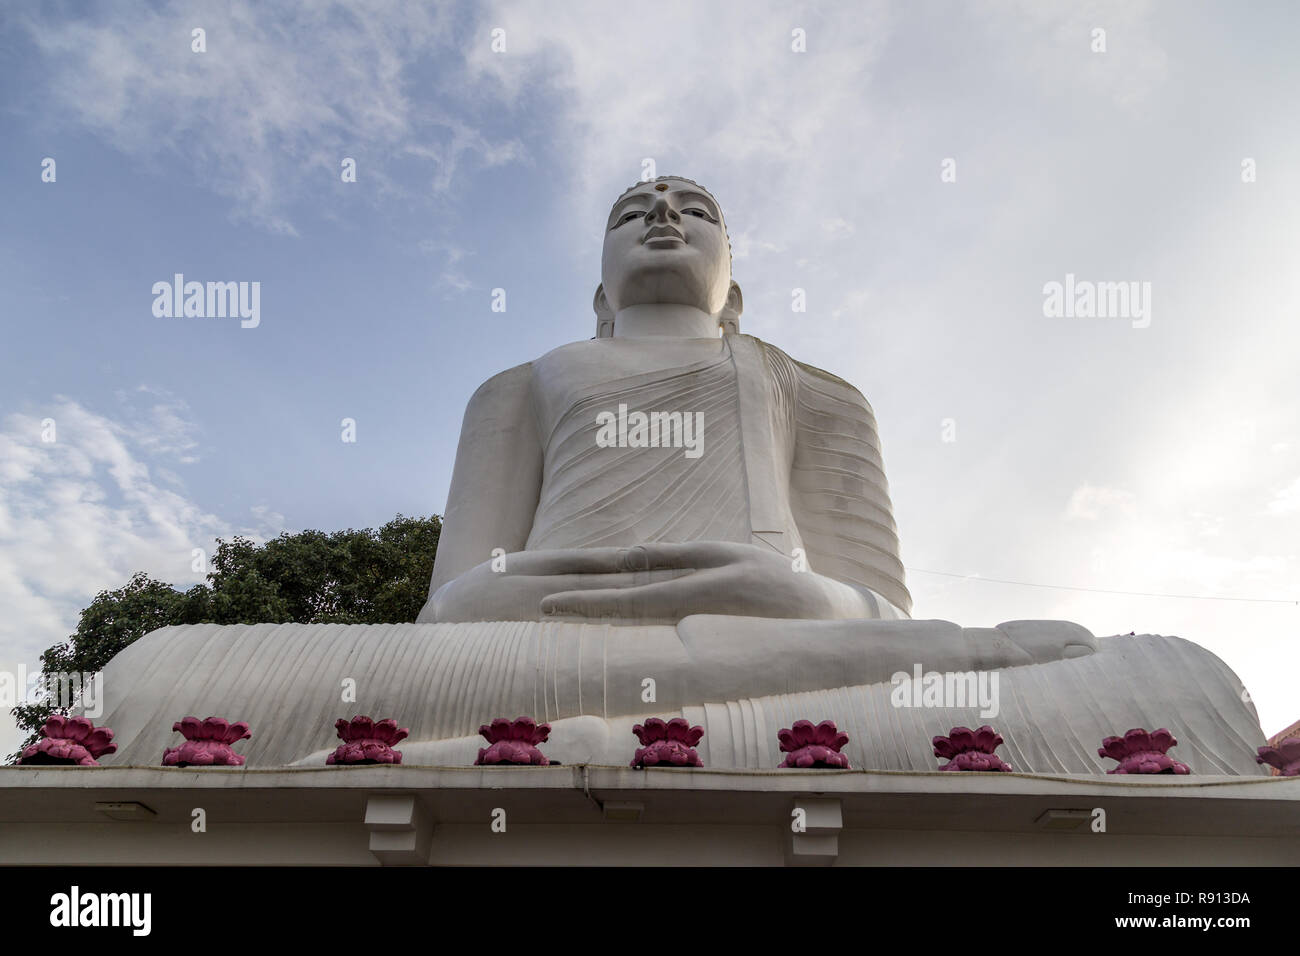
[(450, 277), (80, 514), (1055, 45), (163, 428), (281, 95), (1286, 501), (837, 228), (1088, 503)]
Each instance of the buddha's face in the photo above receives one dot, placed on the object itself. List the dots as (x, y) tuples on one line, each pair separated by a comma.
[(665, 242)]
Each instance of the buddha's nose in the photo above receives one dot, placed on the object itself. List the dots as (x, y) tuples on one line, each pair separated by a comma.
[(662, 212)]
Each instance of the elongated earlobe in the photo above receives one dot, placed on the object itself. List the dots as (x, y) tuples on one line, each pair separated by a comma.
[(604, 314), (729, 318)]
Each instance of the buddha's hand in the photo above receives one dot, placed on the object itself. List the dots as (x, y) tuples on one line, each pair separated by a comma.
[(651, 583)]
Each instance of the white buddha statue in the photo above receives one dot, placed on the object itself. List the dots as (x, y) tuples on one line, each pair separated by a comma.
[(782, 512), (675, 519)]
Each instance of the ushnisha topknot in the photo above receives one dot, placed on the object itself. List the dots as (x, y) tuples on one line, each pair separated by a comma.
[(699, 186)]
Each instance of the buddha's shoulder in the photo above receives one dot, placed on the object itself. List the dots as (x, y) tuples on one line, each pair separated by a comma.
[(522, 375), (512, 379), (576, 350), (811, 378)]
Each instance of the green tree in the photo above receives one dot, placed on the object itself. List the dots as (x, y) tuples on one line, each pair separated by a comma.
[(347, 577)]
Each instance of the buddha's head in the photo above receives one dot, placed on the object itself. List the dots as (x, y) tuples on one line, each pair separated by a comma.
[(666, 243)]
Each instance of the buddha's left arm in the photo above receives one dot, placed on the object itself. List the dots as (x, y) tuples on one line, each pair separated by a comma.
[(838, 493)]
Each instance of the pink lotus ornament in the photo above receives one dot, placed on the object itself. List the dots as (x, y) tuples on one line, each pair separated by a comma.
[(69, 740), (513, 742), (1285, 757), (967, 749), (1141, 752), (813, 748), (207, 743), (670, 744), (367, 741)]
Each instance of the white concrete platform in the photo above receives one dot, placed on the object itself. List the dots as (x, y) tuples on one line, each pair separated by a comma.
[(584, 814)]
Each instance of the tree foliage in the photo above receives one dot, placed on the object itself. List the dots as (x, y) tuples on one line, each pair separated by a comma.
[(347, 577)]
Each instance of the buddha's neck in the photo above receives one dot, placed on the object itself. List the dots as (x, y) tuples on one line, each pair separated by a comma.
[(675, 321)]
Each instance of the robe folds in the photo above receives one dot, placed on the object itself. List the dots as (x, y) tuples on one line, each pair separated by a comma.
[(789, 459)]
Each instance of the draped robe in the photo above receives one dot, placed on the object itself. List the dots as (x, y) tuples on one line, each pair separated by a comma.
[(791, 459)]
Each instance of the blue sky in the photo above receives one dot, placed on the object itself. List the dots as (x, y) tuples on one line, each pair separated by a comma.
[(1088, 452)]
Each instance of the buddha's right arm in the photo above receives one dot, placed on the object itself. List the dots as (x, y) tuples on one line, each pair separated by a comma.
[(497, 478)]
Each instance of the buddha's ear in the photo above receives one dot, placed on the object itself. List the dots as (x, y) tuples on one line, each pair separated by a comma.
[(729, 318), (604, 314)]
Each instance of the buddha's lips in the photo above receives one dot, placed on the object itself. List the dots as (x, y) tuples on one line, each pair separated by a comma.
[(662, 232)]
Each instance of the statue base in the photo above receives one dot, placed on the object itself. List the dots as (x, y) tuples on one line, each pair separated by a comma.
[(614, 816), (1051, 689)]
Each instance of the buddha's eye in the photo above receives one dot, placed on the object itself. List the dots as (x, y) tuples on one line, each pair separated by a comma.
[(698, 212), (629, 216)]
